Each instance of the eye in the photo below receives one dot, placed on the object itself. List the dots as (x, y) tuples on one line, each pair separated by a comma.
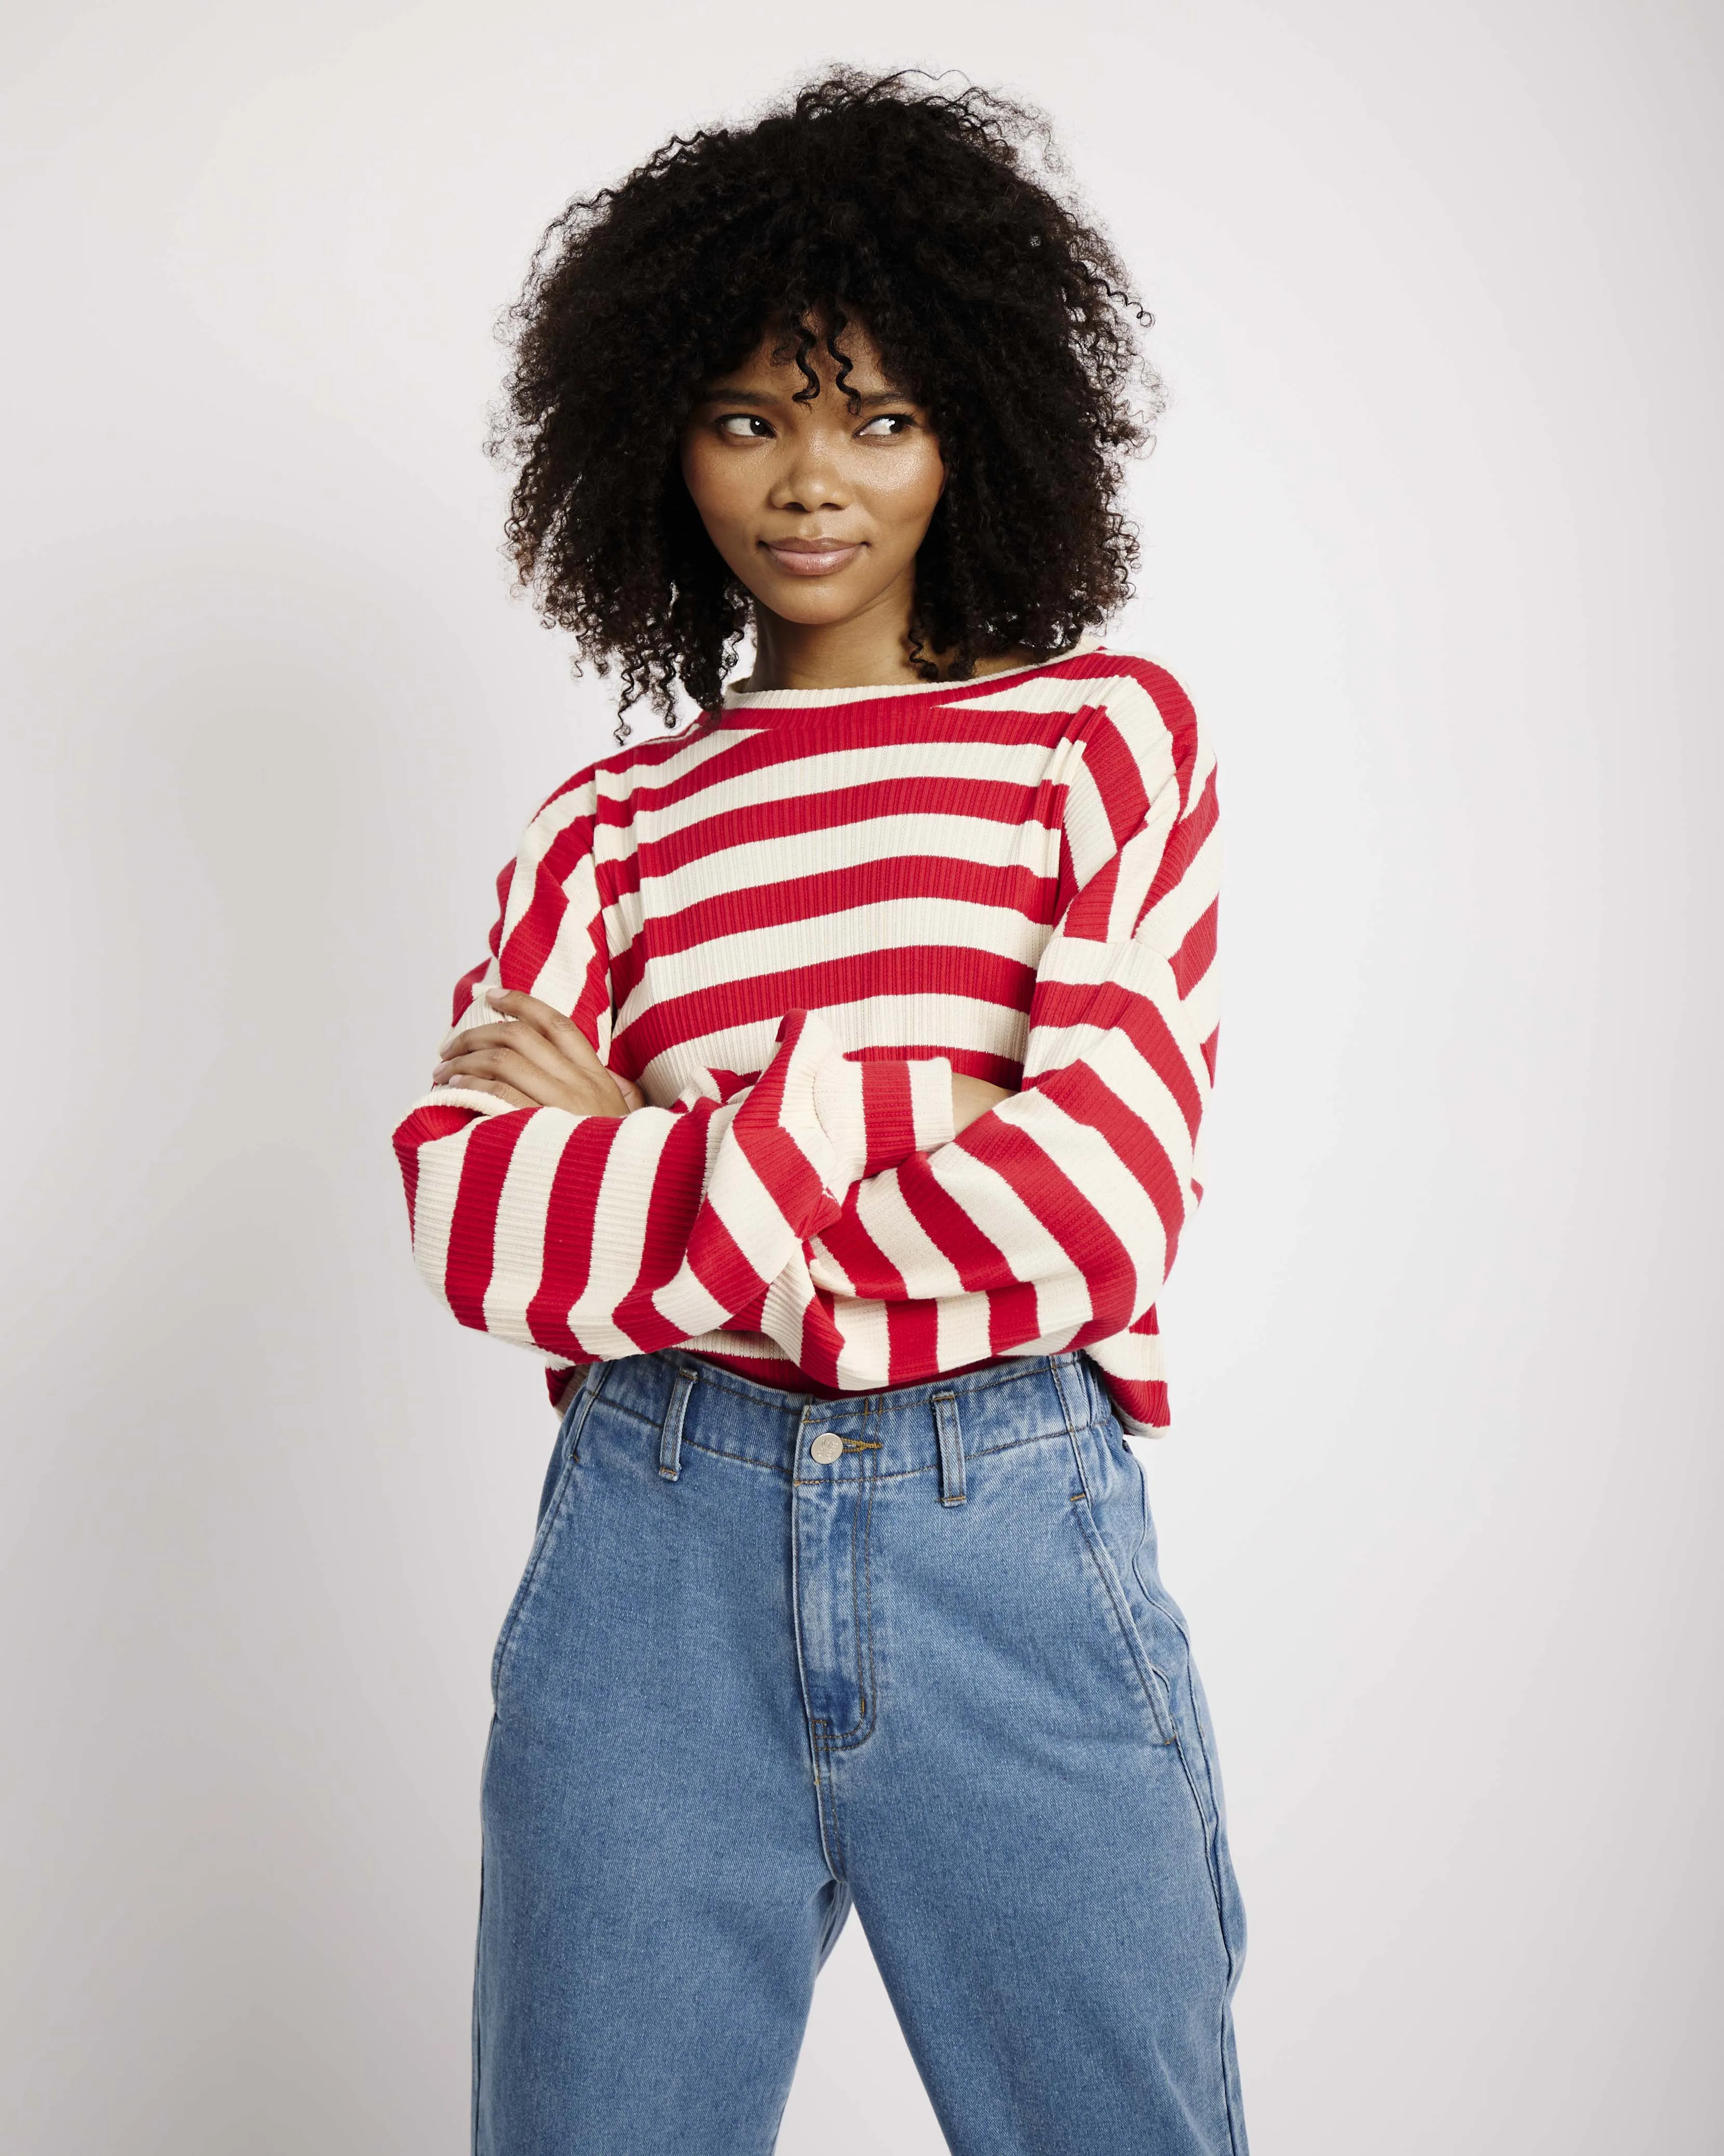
[(899, 420), (748, 419)]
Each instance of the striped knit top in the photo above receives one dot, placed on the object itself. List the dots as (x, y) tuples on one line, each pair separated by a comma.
[(790, 923)]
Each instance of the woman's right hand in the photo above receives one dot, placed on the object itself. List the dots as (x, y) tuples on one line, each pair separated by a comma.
[(535, 1058), (971, 1097)]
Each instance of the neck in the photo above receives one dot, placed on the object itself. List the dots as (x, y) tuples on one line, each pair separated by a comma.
[(869, 651)]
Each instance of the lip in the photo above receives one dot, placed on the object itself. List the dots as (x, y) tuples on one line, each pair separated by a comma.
[(812, 558)]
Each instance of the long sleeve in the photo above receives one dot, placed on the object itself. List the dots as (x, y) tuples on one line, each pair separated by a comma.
[(584, 1236), (1050, 1221)]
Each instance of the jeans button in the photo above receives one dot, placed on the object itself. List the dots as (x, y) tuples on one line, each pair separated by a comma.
[(826, 1447)]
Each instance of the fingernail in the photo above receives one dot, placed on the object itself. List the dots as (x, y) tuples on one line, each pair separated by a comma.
[(495, 995)]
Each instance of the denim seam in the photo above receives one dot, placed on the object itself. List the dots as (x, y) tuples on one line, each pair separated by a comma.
[(818, 1758), (1212, 1837), (619, 1407), (861, 1596), (828, 1792), (477, 2041), (1208, 1820), (1159, 1602)]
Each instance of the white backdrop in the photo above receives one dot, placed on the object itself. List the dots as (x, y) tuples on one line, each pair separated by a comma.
[(1431, 534)]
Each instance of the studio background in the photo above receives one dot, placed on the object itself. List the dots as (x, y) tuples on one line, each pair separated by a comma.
[(1431, 536)]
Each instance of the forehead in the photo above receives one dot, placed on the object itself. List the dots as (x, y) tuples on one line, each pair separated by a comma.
[(775, 352)]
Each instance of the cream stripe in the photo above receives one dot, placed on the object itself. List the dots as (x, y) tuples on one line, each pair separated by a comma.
[(439, 1179), (563, 975), (857, 934), (962, 1329), (812, 771), (983, 841), (1173, 916), (536, 841), (518, 1253)]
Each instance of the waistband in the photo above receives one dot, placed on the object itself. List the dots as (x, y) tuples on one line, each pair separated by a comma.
[(906, 1429)]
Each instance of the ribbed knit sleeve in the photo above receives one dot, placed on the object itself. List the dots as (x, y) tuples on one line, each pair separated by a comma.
[(584, 1236), (1051, 1221)]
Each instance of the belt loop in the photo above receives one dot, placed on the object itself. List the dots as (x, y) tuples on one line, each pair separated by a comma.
[(670, 1435), (1069, 1378), (951, 1449)]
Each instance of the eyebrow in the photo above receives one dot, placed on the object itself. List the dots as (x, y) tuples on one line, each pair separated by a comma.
[(765, 397)]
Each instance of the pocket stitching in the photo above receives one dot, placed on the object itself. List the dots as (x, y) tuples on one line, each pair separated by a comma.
[(1151, 1682)]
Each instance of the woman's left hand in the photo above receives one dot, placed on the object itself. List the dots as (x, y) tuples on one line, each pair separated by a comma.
[(538, 1059)]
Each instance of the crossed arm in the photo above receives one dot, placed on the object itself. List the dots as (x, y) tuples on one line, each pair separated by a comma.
[(534, 1057), (881, 1220)]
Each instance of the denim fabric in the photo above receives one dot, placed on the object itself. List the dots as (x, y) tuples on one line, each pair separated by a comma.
[(742, 1686)]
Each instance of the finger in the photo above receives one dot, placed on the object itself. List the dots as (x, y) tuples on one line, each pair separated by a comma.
[(502, 1091), (522, 1039), (545, 1018), (567, 1088), (510, 1067)]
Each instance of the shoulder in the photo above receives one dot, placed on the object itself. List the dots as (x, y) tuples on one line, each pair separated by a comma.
[(602, 793), (1147, 705), (1141, 736)]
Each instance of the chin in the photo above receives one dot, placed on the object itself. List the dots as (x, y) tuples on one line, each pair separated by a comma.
[(817, 608)]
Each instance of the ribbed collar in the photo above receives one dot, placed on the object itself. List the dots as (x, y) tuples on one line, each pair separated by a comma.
[(788, 700)]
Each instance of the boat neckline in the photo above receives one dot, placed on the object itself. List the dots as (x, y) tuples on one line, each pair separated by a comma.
[(753, 700)]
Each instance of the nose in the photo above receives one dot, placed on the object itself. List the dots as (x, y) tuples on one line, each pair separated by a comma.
[(810, 478)]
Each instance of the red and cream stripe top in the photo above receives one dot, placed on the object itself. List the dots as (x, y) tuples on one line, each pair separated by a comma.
[(790, 923)]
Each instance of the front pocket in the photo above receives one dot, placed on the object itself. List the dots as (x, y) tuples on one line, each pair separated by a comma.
[(1151, 1682)]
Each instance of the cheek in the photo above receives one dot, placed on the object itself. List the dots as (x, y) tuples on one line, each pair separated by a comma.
[(903, 494), (710, 478)]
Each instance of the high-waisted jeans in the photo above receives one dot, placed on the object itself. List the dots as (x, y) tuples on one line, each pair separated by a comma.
[(773, 1654)]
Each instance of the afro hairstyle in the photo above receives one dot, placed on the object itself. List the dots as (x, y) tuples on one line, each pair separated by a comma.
[(927, 215)]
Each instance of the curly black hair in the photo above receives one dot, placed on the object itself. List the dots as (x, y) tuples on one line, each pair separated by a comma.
[(992, 300)]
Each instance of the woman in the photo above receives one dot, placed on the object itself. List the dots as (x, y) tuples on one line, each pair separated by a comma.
[(825, 1116)]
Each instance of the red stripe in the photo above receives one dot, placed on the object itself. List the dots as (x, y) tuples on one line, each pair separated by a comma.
[(1191, 961), (568, 1245), (759, 999), (1083, 1233), (1119, 780), (1011, 887), (888, 1114), (841, 808), (472, 1236), (1175, 707), (1184, 841), (671, 1213)]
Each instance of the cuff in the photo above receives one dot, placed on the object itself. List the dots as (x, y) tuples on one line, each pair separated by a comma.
[(814, 1094), (463, 1096), (876, 1114), (907, 1108)]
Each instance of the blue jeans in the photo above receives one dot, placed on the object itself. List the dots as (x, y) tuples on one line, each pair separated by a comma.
[(772, 1654)]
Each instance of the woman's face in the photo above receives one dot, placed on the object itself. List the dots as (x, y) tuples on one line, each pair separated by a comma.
[(817, 511)]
